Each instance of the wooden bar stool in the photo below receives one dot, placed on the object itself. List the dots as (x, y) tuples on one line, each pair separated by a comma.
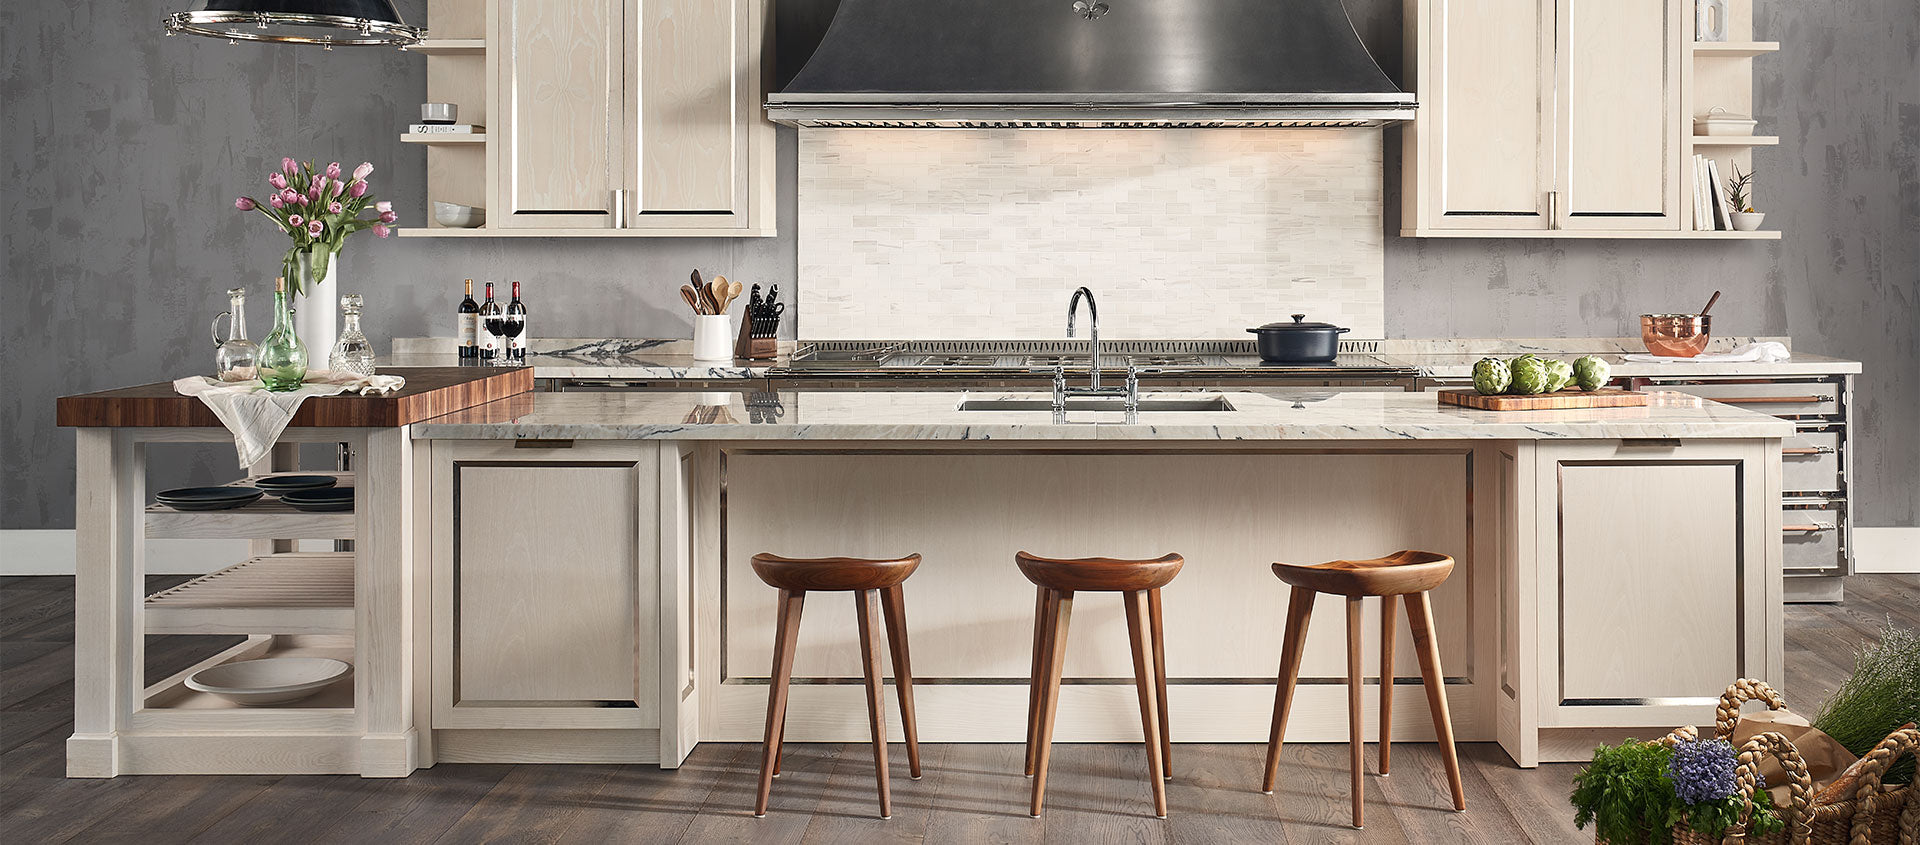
[(1139, 581), (1404, 573), (876, 585)]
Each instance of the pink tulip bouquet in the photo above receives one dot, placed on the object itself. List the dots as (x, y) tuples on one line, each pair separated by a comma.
[(319, 209)]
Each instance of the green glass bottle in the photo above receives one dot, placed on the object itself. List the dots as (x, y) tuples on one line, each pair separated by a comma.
[(283, 359)]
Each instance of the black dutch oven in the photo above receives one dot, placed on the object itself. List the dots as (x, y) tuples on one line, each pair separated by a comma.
[(1298, 342)]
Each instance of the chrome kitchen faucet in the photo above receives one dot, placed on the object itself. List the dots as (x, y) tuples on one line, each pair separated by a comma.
[(1061, 391)]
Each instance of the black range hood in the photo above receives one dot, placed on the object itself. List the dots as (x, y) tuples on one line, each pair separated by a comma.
[(1080, 63)]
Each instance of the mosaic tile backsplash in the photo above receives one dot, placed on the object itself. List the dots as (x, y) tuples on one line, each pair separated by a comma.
[(984, 234)]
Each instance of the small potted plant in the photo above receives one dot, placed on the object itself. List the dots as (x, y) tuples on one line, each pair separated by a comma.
[(1740, 192)]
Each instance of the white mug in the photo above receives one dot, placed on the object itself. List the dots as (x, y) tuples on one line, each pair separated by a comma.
[(712, 337)]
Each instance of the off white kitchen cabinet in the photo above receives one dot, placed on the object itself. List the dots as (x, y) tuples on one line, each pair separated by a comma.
[(546, 608), (1551, 118), (615, 118)]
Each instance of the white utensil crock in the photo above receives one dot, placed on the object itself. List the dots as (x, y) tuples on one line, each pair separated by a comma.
[(712, 337)]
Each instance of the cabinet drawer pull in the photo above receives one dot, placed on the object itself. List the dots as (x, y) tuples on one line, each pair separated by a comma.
[(1808, 450), (1808, 529), (542, 444), (1769, 400), (1650, 443)]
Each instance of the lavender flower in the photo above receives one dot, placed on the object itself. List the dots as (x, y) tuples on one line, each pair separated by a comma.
[(1701, 770)]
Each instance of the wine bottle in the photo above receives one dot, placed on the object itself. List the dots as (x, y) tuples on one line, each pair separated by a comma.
[(492, 320), (516, 328), (467, 321)]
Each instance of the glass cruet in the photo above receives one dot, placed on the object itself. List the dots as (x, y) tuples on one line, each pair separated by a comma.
[(235, 358), (283, 359), (351, 353)]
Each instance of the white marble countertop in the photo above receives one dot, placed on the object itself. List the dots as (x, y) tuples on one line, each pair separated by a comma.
[(1460, 366), (638, 366), (1295, 414)]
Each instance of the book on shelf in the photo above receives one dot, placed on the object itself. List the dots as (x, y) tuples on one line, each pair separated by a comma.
[(1722, 204), (1702, 218), (445, 129)]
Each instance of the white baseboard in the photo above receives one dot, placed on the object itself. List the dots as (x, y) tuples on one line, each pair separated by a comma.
[(1891, 549), (51, 552)]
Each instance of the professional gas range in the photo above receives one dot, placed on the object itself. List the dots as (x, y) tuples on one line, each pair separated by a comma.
[(947, 365)]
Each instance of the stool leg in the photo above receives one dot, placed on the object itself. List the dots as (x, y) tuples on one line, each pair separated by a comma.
[(786, 632), (1060, 612), (1160, 681), (1299, 613), (893, 601), (1356, 741), (1139, 637), (867, 606), (1420, 620), (1386, 682), (1042, 628)]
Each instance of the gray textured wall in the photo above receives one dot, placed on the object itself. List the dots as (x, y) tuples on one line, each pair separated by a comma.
[(123, 150)]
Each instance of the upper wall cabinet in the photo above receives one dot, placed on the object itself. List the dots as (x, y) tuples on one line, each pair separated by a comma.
[(1551, 118), (609, 118)]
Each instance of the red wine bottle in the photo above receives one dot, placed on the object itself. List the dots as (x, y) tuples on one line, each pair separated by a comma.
[(467, 324), (492, 318), (516, 327)]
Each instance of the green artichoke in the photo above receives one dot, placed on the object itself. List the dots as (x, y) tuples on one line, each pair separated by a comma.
[(1530, 375), (1560, 374), (1491, 376), (1591, 373)]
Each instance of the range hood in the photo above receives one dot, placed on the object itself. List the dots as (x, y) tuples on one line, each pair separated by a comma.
[(1090, 63)]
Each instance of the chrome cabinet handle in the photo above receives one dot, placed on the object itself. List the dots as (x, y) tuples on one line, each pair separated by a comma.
[(1553, 209)]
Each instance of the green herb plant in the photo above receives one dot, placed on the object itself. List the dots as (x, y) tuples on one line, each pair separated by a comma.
[(1626, 794), (1882, 694)]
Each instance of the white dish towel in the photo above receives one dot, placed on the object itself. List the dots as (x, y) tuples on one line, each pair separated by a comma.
[(257, 416), (1764, 352)]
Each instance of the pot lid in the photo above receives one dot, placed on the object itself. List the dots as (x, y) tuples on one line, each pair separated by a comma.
[(1299, 324)]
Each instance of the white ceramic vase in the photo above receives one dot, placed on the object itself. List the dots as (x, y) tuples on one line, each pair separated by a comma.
[(316, 315), (1747, 221)]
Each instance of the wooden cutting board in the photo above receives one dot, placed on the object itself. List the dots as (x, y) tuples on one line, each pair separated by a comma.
[(430, 392), (1605, 397)]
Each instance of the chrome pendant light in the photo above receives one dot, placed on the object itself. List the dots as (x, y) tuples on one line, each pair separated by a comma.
[(325, 23)]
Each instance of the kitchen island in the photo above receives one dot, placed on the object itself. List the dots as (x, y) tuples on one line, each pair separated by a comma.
[(587, 555)]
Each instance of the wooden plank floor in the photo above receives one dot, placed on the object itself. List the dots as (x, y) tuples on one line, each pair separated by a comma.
[(971, 793)]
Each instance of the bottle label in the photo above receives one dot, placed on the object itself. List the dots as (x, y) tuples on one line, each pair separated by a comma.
[(469, 329)]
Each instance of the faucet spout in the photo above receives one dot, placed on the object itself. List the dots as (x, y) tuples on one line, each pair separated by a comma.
[(1093, 313)]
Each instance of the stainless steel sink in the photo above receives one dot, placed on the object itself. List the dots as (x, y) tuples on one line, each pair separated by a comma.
[(1116, 404)]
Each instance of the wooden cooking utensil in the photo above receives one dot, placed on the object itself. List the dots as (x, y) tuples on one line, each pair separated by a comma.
[(1710, 301), (718, 290), (693, 299), (733, 291)]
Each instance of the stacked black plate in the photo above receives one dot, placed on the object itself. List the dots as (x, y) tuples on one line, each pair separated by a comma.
[(320, 499), (208, 498), (278, 484)]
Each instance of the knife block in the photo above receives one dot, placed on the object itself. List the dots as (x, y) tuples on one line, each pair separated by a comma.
[(754, 348)]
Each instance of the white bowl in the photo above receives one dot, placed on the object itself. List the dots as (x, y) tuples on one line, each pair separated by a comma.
[(269, 680), (456, 216)]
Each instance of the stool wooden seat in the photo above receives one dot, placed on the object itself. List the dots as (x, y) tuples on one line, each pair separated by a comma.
[(1405, 573), (876, 585), (1140, 582)]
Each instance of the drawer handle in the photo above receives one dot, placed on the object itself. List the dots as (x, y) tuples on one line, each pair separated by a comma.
[(1809, 450), (542, 444), (1770, 400), (1807, 529)]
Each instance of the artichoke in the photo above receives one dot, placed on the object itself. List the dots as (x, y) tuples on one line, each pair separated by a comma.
[(1591, 373), (1560, 374), (1491, 376), (1530, 375)]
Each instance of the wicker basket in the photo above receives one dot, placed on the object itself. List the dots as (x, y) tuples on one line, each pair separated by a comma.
[(1876, 814)]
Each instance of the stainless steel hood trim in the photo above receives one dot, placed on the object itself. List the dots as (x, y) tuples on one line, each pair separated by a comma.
[(992, 117), (1092, 98)]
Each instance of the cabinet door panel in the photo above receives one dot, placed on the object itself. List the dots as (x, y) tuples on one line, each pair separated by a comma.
[(1652, 594), (560, 100), (1495, 97), (546, 582), (1619, 115), (686, 128)]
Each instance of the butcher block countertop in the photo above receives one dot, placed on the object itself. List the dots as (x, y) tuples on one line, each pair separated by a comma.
[(430, 392)]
